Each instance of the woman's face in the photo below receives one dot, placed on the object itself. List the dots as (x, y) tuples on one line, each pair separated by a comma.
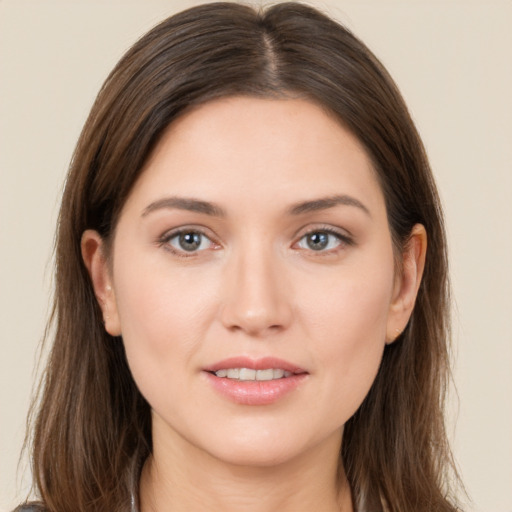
[(255, 245)]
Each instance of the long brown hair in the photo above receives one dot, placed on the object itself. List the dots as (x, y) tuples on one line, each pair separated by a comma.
[(93, 426)]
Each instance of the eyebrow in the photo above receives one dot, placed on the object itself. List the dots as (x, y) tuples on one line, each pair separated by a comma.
[(208, 208), (325, 203), (185, 203)]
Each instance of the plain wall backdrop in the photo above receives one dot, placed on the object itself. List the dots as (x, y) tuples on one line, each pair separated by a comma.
[(453, 63)]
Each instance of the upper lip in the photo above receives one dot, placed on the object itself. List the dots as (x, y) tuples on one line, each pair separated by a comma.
[(261, 363)]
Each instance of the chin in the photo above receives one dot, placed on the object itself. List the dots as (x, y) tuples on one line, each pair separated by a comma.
[(265, 448), (256, 456)]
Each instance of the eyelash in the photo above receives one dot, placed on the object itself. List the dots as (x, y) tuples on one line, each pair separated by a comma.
[(165, 241), (343, 240)]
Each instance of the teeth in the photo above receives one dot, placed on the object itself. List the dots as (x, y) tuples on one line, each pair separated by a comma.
[(267, 374), (233, 373), (249, 374)]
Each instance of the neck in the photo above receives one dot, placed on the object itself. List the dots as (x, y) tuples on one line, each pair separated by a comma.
[(179, 477)]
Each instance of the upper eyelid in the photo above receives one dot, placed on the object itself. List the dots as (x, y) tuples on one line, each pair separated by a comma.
[(167, 236), (171, 233), (341, 239), (342, 233), (344, 239), (164, 241), (335, 230)]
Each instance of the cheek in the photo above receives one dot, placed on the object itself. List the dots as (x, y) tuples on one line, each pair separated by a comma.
[(351, 327), (164, 315), (352, 304), (348, 325)]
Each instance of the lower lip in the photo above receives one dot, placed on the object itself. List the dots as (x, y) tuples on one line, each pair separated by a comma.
[(250, 392)]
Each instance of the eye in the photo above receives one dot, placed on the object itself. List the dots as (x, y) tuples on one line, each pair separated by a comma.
[(321, 240), (189, 241)]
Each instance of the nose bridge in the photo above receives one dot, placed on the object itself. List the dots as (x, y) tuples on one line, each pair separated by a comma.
[(256, 299)]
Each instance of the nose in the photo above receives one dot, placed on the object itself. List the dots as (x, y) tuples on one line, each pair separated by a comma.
[(256, 295)]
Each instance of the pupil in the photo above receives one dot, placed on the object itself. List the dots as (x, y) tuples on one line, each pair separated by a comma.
[(190, 241), (317, 241)]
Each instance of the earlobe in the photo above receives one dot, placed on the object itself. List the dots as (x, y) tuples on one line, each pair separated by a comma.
[(407, 283), (92, 246)]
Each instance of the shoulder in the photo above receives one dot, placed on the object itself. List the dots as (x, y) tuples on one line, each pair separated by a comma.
[(30, 507)]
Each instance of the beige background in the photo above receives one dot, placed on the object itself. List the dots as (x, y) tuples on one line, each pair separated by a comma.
[(453, 62)]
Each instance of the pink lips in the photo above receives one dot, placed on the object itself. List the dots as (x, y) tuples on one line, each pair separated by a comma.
[(255, 392)]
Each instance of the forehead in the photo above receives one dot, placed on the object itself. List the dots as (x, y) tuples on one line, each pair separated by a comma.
[(240, 149)]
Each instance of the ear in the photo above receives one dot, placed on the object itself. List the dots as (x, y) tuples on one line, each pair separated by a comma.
[(93, 254), (407, 283)]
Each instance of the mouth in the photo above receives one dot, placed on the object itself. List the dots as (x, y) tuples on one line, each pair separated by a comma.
[(255, 382), (248, 374)]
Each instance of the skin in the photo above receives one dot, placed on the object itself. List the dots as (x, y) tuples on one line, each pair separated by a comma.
[(255, 287)]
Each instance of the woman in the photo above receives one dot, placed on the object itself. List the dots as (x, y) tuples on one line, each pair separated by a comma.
[(251, 307)]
